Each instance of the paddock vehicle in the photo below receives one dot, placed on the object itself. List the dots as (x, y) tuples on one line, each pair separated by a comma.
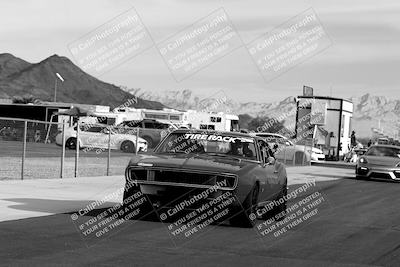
[(150, 130), (96, 136), (189, 163), (286, 149)]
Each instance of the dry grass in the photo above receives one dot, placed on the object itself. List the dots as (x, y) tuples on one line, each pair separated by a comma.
[(49, 167)]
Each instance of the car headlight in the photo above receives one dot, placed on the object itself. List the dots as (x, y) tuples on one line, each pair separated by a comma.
[(363, 160)]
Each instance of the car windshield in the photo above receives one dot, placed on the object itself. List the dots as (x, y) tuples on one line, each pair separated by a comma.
[(209, 143), (382, 151)]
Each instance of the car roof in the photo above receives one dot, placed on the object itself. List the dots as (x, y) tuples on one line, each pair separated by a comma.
[(272, 134), (389, 146), (95, 125)]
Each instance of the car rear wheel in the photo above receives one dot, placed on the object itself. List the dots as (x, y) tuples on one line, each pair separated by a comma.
[(71, 143), (128, 146), (280, 210), (299, 158), (247, 217)]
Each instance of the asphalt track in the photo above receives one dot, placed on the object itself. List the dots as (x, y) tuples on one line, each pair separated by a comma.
[(358, 225)]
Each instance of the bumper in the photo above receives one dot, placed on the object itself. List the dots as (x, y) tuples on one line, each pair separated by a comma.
[(142, 148), (383, 173), (317, 157)]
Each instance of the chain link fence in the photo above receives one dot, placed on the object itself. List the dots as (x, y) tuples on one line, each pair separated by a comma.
[(33, 149)]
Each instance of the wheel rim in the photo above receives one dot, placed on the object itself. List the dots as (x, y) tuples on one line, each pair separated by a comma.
[(127, 147), (72, 144)]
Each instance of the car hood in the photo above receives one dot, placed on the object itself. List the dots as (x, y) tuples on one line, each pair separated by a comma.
[(193, 162), (382, 161)]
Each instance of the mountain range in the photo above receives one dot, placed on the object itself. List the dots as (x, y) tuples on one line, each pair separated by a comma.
[(369, 110), (19, 78)]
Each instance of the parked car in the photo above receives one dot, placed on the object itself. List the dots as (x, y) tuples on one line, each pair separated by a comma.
[(287, 149), (383, 141), (97, 136), (191, 162), (150, 130), (381, 162)]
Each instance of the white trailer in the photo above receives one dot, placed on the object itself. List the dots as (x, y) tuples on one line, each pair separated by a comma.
[(211, 121)]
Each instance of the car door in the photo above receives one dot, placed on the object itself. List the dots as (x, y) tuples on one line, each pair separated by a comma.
[(117, 138), (286, 149), (94, 137), (270, 173)]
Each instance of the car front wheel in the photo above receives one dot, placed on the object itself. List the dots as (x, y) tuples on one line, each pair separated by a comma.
[(247, 217), (131, 197)]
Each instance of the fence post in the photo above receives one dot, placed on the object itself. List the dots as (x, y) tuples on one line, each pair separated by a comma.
[(109, 152), (284, 155), (62, 150), (294, 155), (312, 145), (77, 149), (23, 149), (137, 140)]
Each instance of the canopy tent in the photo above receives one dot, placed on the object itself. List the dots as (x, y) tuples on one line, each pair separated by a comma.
[(72, 112), (76, 112)]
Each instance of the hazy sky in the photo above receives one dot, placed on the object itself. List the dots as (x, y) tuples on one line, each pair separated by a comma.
[(364, 56)]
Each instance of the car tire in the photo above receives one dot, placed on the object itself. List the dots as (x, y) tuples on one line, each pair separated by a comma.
[(149, 140), (128, 146), (146, 211), (71, 143), (360, 177), (299, 158), (247, 217)]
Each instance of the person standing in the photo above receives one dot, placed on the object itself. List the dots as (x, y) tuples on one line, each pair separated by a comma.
[(353, 139), (369, 142)]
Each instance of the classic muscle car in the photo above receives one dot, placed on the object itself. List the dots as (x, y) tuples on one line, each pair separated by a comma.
[(191, 162)]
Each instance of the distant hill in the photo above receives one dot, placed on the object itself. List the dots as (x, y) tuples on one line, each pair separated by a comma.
[(21, 78), (368, 109), (10, 64)]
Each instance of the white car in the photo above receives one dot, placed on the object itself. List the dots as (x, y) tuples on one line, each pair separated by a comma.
[(96, 136), (286, 149)]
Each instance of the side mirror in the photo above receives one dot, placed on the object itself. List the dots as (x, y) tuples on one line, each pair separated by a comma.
[(270, 161)]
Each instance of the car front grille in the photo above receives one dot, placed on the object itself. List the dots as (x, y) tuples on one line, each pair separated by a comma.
[(182, 177)]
